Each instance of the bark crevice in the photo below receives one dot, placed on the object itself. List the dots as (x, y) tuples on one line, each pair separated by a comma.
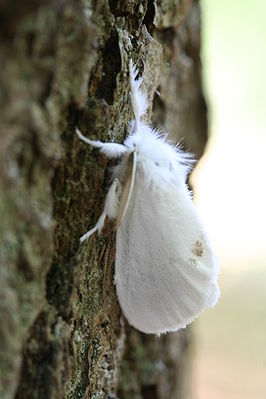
[(65, 64)]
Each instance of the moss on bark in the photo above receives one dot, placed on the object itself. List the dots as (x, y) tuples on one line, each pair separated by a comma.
[(65, 64)]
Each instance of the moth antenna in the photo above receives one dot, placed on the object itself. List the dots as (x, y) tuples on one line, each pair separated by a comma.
[(138, 97), (133, 177)]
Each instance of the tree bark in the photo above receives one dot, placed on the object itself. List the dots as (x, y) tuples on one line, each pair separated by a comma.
[(65, 63)]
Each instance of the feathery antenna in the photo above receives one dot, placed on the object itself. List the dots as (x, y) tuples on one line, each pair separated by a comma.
[(138, 97)]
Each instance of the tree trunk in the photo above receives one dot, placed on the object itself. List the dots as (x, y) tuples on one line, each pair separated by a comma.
[(64, 63)]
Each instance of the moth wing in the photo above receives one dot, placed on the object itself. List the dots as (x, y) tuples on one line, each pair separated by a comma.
[(165, 269)]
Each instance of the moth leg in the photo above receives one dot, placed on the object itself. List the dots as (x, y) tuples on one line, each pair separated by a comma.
[(110, 209), (111, 150)]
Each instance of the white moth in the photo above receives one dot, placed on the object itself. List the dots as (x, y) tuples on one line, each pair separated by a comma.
[(165, 269)]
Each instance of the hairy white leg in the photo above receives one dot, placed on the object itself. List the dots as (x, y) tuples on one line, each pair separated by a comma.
[(111, 150), (110, 209)]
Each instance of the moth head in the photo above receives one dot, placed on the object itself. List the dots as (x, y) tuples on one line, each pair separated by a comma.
[(132, 142)]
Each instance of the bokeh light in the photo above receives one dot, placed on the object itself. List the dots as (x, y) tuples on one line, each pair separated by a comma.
[(230, 361)]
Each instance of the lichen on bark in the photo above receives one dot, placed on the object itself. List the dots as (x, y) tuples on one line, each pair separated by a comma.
[(65, 63)]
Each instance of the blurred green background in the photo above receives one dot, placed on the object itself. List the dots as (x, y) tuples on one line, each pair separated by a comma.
[(230, 352)]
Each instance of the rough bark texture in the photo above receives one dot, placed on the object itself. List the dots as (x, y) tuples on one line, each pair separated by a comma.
[(64, 63)]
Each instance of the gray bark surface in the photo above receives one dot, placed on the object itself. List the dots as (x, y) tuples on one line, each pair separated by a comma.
[(64, 63)]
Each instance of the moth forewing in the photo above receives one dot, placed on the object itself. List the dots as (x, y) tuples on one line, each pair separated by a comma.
[(159, 289)]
